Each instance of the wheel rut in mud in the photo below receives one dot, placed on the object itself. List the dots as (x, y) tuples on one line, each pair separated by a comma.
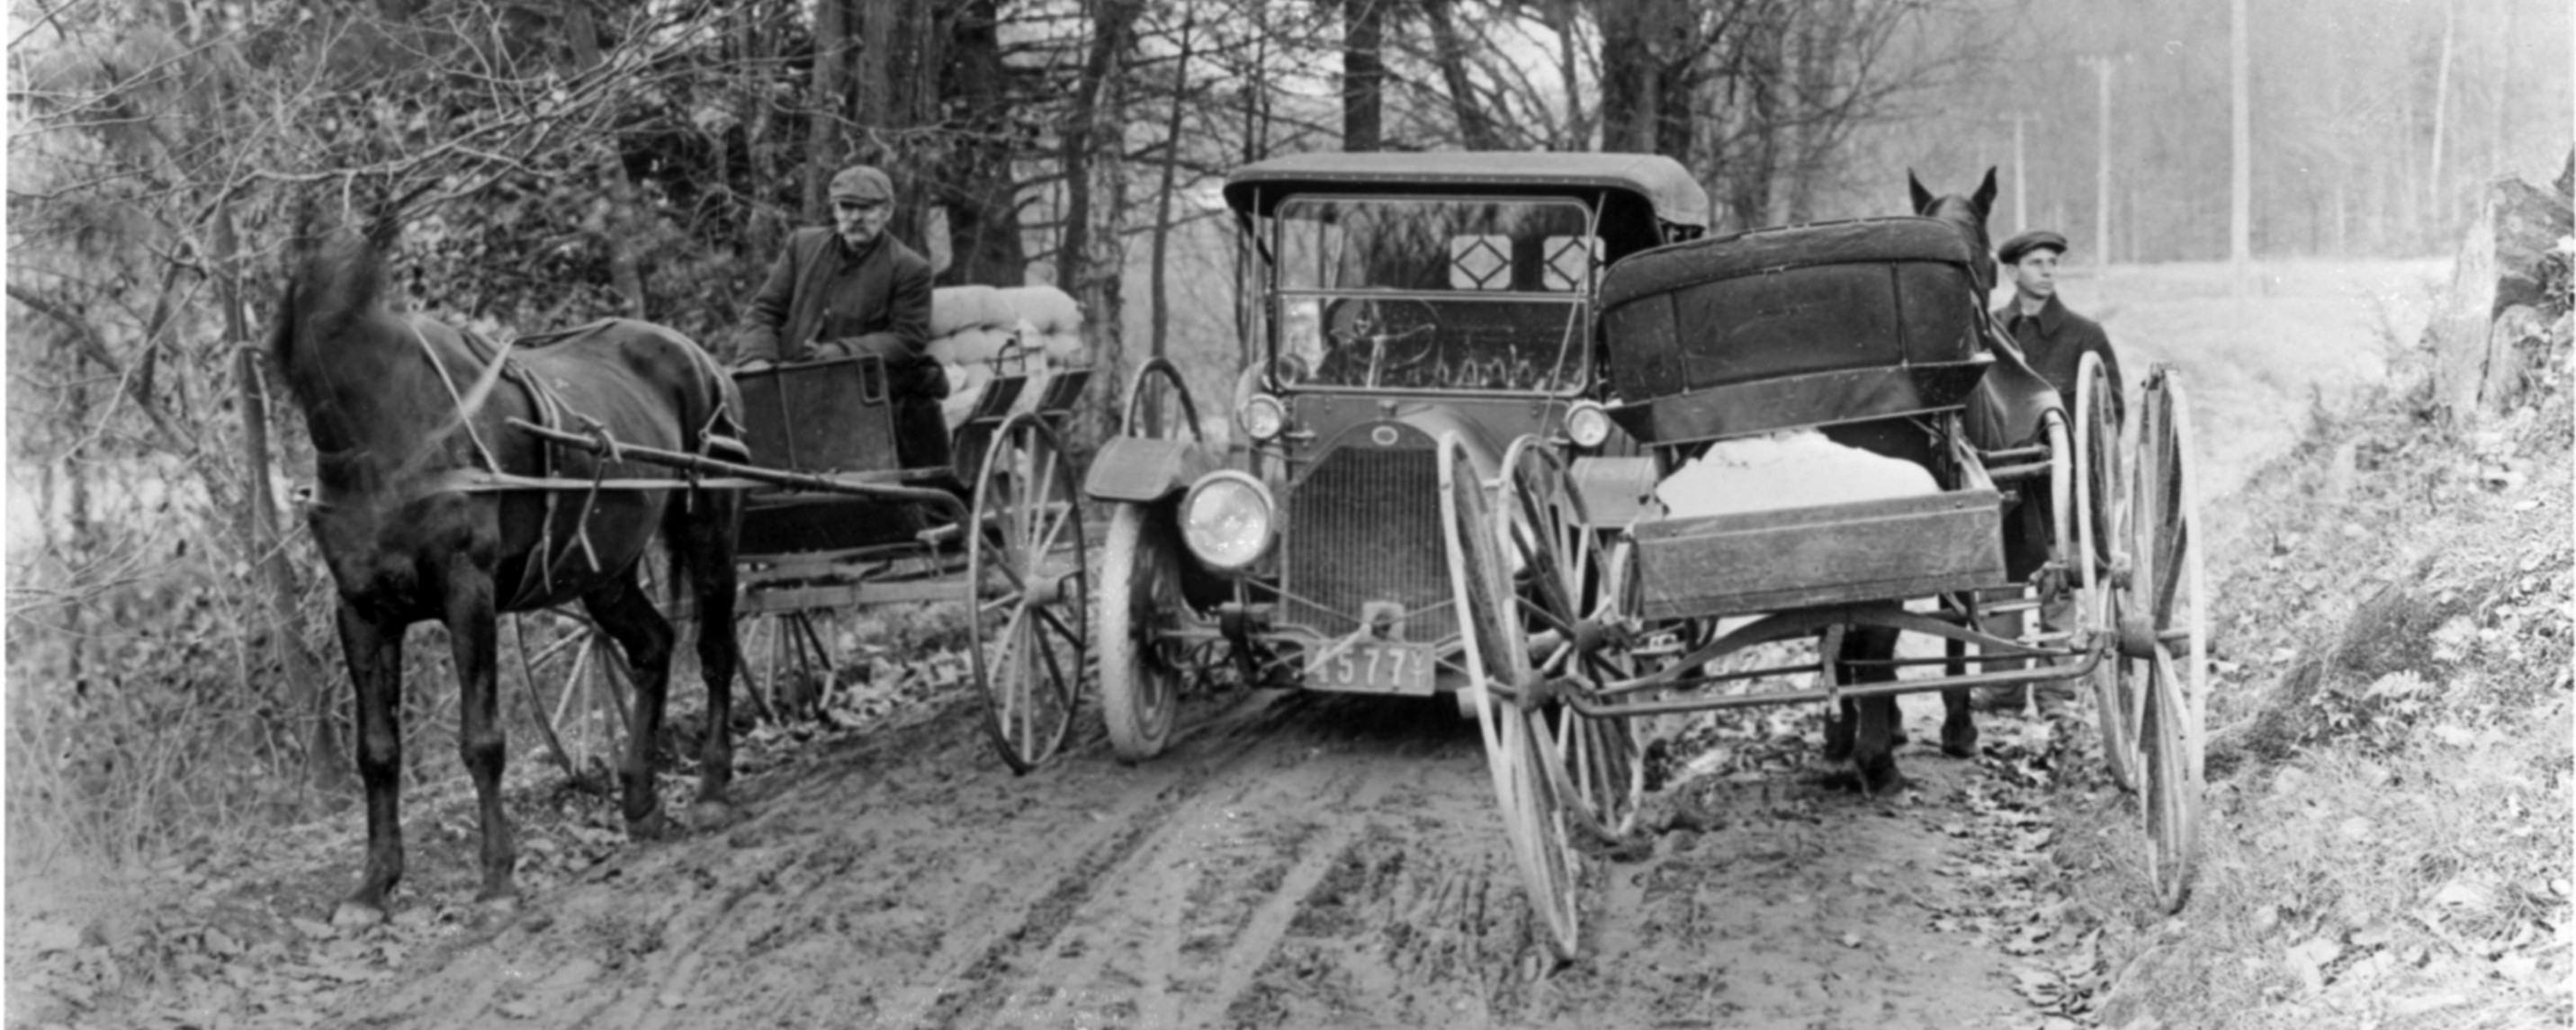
[(1295, 860)]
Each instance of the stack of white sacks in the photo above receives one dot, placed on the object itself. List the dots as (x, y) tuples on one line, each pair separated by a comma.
[(979, 332), (1791, 469)]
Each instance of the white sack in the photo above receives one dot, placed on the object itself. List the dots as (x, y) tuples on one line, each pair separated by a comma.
[(1049, 309), (953, 308), (969, 346), (1062, 349), (1793, 469)]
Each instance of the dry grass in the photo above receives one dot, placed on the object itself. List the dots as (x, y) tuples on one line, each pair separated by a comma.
[(2387, 839)]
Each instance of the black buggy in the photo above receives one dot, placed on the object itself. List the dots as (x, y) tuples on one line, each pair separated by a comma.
[(1585, 602)]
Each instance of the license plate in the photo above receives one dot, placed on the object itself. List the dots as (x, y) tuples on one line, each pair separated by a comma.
[(1372, 668)]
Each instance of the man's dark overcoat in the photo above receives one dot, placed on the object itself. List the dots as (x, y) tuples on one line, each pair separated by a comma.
[(2053, 342), (824, 300)]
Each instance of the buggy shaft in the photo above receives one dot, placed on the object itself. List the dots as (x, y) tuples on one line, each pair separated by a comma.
[(839, 484)]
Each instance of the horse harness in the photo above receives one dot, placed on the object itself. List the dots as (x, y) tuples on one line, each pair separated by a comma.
[(552, 413)]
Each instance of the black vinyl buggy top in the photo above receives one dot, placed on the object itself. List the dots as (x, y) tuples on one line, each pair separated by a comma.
[(1802, 325)]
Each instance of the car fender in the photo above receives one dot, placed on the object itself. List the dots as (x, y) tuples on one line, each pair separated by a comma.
[(1145, 469)]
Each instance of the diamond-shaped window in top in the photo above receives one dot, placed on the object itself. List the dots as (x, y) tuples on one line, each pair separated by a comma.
[(1480, 262), (1571, 260)]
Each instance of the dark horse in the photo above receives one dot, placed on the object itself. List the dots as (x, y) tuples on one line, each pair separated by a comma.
[(1867, 730), (409, 418)]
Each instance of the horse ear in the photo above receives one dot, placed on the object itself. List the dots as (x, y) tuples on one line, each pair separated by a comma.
[(1985, 198), (1922, 197)]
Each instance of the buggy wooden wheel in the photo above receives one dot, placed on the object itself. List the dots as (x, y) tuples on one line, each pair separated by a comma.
[(2092, 562), (579, 688), (1534, 812), (1570, 588), (1140, 584), (1159, 405), (2166, 627), (1025, 565), (579, 694)]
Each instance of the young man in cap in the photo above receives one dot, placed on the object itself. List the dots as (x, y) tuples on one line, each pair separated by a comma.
[(2053, 340), (852, 291)]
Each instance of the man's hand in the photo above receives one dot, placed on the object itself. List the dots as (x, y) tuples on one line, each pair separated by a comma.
[(752, 365)]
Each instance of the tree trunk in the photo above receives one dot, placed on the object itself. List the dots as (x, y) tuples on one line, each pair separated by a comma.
[(326, 758), (619, 228), (1163, 193), (1256, 145), (1475, 129), (1363, 74), (1087, 264), (2496, 295), (1628, 72), (1757, 163), (828, 107), (872, 81), (975, 184)]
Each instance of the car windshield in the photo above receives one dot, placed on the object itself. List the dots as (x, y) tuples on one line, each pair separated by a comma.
[(1422, 294)]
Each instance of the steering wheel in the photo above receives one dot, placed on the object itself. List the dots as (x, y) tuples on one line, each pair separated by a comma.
[(1390, 335)]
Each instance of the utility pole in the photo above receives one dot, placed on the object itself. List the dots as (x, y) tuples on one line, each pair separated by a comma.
[(2240, 233), (2441, 101), (2021, 171), (2101, 65)]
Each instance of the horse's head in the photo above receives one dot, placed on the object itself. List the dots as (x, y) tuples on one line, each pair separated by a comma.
[(328, 316), (1968, 213), (334, 275)]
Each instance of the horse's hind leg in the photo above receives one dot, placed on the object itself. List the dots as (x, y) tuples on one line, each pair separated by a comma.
[(473, 628), (702, 536), (374, 652), (622, 610), (1873, 745), (1958, 722)]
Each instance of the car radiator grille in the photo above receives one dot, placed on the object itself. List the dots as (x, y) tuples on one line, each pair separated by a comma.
[(1365, 526)]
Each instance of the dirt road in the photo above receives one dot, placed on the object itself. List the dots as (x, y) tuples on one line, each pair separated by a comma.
[(1295, 861)]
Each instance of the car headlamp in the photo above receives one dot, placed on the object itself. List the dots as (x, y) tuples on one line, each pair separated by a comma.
[(1263, 417), (1587, 424), (1226, 520)]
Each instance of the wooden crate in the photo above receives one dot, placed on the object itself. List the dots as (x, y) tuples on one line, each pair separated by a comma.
[(1765, 561)]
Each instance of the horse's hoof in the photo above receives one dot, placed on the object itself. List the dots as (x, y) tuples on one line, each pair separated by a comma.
[(1838, 743), (1960, 745), (1881, 779), (652, 827), (356, 915)]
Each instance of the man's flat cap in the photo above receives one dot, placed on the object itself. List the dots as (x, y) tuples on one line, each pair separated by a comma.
[(2020, 246), (860, 182)]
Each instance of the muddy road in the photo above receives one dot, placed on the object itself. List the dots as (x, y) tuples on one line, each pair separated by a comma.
[(1294, 861)]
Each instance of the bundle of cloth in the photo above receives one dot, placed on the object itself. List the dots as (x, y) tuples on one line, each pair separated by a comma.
[(1790, 469), (979, 332)]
